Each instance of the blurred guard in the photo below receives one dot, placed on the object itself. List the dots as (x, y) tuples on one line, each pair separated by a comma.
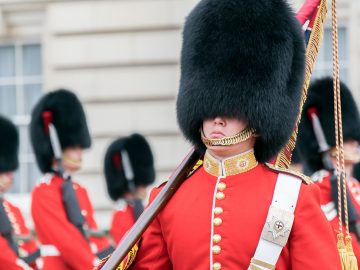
[(129, 169), (18, 249), (318, 152), (61, 209)]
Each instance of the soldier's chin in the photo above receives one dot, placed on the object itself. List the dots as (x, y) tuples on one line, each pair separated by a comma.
[(72, 166)]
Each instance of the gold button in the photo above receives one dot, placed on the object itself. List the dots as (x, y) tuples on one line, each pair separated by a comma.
[(216, 249), (218, 210), (84, 212), (217, 221), (217, 238), (221, 186), (220, 196), (216, 266)]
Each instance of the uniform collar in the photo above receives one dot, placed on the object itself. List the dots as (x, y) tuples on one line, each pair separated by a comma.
[(230, 166)]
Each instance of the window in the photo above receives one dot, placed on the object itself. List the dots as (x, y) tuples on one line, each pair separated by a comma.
[(323, 65), (20, 89)]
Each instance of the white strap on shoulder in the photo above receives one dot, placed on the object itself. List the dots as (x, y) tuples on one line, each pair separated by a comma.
[(278, 223)]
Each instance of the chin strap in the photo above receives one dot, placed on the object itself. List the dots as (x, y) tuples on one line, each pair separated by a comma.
[(226, 141)]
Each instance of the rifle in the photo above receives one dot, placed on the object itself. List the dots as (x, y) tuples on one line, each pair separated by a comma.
[(176, 179)]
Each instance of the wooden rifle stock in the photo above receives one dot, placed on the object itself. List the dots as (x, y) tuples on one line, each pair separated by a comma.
[(174, 182)]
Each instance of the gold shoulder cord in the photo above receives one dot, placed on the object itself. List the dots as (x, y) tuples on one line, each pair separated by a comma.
[(346, 252)]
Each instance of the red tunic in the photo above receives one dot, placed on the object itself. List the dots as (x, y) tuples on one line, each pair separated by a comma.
[(122, 221), (183, 235), (53, 227), (8, 257)]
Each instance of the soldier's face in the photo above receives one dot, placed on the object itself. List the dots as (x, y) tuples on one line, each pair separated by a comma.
[(351, 151), (72, 158), (6, 180), (220, 127)]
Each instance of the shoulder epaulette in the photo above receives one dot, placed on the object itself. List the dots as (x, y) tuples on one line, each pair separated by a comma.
[(319, 175), (303, 177), (197, 166)]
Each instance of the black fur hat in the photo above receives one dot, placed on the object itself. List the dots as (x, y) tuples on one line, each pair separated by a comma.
[(69, 119), (9, 146), (321, 97), (142, 164), (242, 59)]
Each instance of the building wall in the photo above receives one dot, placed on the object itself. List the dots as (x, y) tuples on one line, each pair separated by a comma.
[(122, 59)]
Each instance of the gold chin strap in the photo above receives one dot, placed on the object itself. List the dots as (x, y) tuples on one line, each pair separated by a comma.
[(226, 141)]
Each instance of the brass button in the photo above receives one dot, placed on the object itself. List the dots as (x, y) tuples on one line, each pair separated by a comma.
[(218, 210), (216, 249), (217, 238), (217, 221), (220, 196), (84, 212), (221, 186), (216, 266)]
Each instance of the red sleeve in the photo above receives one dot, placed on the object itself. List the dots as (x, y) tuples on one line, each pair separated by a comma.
[(8, 257), (85, 203), (312, 240), (307, 10), (53, 227), (122, 221), (152, 253)]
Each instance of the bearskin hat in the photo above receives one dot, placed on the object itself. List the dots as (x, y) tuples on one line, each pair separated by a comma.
[(69, 119), (141, 160), (321, 98), (242, 59), (9, 145)]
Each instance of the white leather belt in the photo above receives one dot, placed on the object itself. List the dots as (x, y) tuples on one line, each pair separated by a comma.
[(278, 223), (49, 250)]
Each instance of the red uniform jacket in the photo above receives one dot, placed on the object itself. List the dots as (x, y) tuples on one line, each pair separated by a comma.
[(230, 213), (53, 228), (122, 221), (8, 258), (322, 179)]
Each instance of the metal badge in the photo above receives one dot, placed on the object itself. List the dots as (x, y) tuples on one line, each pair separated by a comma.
[(278, 226)]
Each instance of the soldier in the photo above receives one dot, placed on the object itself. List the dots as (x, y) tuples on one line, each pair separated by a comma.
[(62, 212), (129, 169), (320, 104), (18, 247), (242, 69)]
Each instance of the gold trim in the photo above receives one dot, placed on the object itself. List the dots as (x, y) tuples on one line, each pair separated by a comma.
[(303, 177), (231, 166), (255, 263), (226, 141)]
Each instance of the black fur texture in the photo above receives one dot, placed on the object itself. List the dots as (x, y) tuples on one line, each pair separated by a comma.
[(70, 123), (356, 172), (242, 59), (142, 163), (9, 146), (321, 97)]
